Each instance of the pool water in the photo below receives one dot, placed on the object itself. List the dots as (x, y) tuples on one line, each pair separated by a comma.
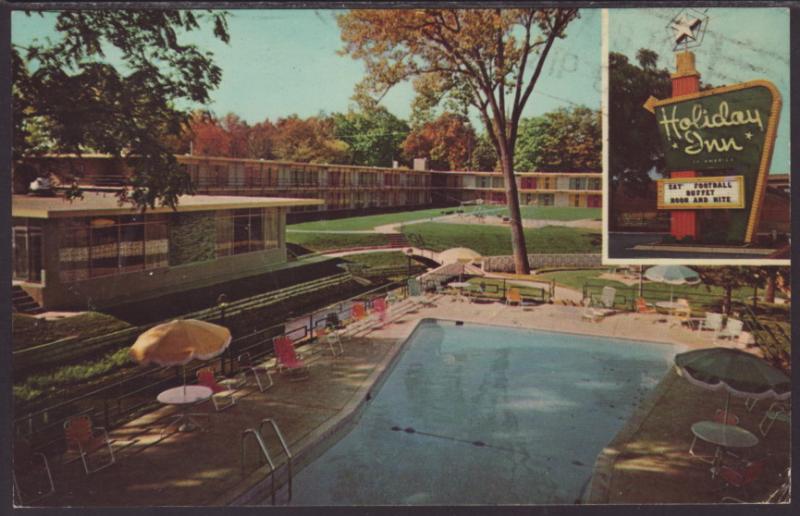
[(486, 415)]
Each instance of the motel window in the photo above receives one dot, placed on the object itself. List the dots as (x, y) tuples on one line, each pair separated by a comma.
[(103, 246), (244, 231), (27, 251)]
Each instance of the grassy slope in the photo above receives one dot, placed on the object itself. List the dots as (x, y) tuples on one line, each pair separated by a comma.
[(30, 331), (326, 241), (370, 221), (496, 240)]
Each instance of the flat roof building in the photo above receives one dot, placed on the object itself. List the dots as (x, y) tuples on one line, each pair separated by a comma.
[(94, 252)]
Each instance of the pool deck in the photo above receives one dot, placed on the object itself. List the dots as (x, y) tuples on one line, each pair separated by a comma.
[(648, 461)]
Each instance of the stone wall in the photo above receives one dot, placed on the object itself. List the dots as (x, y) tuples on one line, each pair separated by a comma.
[(542, 261), (192, 238)]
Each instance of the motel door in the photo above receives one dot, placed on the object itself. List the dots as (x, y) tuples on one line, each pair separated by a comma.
[(27, 249)]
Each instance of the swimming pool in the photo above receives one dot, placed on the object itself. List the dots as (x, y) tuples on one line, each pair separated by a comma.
[(486, 415)]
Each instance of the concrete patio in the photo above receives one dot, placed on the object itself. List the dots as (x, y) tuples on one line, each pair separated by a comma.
[(648, 461)]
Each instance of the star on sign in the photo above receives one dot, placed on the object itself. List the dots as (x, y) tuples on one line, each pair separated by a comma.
[(685, 28), (748, 135)]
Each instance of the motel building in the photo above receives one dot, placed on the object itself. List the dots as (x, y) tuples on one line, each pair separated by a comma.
[(94, 251), (344, 189)]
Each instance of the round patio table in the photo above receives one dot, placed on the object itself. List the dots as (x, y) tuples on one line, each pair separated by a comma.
[(722, 436), (183, 397), (461, 286)]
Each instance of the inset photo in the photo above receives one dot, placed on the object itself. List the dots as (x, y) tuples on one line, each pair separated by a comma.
[(698, 136)]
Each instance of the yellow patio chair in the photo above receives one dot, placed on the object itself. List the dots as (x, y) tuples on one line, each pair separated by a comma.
[(513, 297)]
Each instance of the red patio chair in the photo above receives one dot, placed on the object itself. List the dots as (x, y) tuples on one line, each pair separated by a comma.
[(742, 475), (221, 396), (719, 417), (380, 307), (84, 440), (287, 359)]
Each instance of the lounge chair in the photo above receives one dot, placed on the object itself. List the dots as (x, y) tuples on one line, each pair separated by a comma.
[(713, 322), (287, 358), (416, 295), (594, 313), (607, 296), (247, 365), (221, 395), (379, 305), (732, 330), (334, 342), (31, 472), (777, 411), (513, 297), (85, 440), (643, 307)]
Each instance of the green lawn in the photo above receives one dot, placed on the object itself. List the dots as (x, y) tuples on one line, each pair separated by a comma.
[(370, 221), (558, 213), (29, 331), (496, 240), (699, 296), (327, 241)]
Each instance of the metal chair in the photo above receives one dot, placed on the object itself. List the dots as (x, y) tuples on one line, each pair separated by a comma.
[(221, 395), (777, 411), (287, 358), (29, 468), (84, 439), (246, 364)]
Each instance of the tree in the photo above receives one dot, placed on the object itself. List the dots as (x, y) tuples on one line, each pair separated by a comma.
[(239, 132), (484, 155), (309, 141), (565, 140), (372, 133), (729, 278), (446, 141), (261, 140), (209, 138), (83, 103), (478, 54), (634, 142)]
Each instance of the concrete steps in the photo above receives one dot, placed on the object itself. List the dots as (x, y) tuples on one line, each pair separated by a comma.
[(23, 303)]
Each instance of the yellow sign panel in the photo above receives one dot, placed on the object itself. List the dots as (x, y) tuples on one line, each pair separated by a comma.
[(724, 192)]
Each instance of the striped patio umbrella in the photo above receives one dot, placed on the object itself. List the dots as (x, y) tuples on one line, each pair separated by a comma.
[(737, 372), (672, 275)]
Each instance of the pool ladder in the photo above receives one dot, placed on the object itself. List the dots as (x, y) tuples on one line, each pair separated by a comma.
[(258, 436)]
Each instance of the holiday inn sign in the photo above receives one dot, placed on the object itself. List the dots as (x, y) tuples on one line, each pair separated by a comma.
[(727, 133)]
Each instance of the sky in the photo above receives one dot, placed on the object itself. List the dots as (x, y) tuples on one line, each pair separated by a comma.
[(739, 45), (284, 62)]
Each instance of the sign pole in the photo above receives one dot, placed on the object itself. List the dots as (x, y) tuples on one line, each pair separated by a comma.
[(685, 80)]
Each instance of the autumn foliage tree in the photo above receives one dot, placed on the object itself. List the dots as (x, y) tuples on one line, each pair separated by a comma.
[(490, 57), (447, 142)]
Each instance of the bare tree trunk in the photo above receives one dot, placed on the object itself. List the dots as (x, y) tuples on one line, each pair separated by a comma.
[(769, 292), (519, 250)]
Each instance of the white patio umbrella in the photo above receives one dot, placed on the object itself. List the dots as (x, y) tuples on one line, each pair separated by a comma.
[(672, 275)]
